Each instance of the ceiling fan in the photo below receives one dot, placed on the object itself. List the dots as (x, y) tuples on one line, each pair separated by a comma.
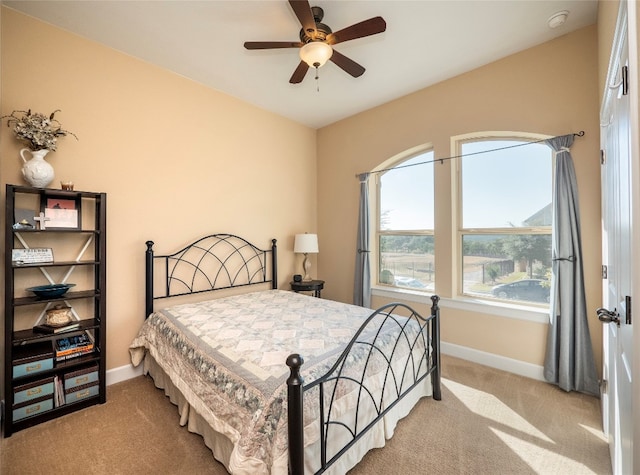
[(317, 40)]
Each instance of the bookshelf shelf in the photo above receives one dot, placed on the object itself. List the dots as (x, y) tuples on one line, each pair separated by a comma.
[(22, 337), (19, 301), (64, 366), (55, 264)]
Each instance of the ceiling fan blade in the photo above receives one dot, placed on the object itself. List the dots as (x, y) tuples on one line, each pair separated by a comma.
[(302, 9), (272, 44), (349, 65), (299, 73), (369, 27)]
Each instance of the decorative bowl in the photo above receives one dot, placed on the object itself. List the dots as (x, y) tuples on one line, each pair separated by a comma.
[(50, 291)]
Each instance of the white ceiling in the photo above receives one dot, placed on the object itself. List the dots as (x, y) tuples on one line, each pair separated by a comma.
[(425, 42)]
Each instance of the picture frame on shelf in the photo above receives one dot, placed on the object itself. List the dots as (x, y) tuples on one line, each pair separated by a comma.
[(61, 212)]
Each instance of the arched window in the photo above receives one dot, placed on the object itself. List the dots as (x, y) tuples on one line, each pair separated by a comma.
[(405, 224)]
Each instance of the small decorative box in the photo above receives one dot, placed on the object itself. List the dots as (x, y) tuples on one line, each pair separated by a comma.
[(81, 392), (80, 377), (58, 316), (31, 391), (32, 408), (32, 358)]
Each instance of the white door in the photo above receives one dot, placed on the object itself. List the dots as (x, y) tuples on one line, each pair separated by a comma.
[(617, 255)]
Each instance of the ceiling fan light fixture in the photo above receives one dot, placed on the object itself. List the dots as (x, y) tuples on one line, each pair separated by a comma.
[(316, 53)]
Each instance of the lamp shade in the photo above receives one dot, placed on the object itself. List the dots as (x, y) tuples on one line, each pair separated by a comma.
[(316, 53), (306, 244)]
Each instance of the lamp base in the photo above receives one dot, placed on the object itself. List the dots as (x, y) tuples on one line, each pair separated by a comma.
[(306, 267)]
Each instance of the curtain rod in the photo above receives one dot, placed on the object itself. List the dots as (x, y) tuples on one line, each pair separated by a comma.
[(441, 160)]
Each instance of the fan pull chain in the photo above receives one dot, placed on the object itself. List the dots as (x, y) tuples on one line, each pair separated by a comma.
[(317, 81)]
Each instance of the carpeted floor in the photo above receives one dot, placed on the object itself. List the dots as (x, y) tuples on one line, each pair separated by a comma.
[(488, 422)]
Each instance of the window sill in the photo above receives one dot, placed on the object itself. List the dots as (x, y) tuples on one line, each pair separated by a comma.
[(499, 309)]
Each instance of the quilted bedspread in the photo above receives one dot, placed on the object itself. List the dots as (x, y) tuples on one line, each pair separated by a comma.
[(228, 357)]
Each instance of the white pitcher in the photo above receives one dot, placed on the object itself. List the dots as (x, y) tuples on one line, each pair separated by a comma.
[(36, 170)]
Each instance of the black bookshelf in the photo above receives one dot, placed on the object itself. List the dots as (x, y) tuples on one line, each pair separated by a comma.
[(28, 397)]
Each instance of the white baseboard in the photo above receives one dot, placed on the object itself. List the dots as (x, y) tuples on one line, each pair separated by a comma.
[(503, 363), (123, 373)]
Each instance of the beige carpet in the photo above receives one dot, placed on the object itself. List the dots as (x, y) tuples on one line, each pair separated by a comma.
[(488, 422)]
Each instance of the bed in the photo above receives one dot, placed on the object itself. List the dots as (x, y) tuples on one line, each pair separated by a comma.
[(275, 381)]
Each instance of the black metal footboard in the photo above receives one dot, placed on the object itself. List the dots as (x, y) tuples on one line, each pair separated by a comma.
[(401, 350)]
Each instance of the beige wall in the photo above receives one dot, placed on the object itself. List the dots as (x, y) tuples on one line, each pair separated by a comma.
[(177, 159), (549, 89)]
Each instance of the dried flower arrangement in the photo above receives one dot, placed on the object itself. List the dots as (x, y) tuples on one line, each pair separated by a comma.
[(39, 131)]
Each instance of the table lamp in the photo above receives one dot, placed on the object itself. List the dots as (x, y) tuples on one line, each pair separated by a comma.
[(306, 244)]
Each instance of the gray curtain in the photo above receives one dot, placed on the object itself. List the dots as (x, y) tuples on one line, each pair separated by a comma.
[(569, 360), (362, 283)]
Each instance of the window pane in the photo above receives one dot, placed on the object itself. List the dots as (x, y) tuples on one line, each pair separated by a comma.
[(508, 266), (407, 261), (506, 188), (406, 195)]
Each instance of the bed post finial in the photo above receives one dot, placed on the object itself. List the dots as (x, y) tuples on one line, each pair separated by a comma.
[(148, 297), (295, 422)]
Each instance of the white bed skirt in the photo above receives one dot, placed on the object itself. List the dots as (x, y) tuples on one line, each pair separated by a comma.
[(223, 447)]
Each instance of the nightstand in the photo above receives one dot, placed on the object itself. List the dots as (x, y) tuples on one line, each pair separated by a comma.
[(314, 286)]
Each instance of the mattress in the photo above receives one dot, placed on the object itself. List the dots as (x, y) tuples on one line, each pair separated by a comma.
[(222, 363)]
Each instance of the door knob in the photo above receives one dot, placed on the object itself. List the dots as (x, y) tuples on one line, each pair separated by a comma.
[(608, 316)]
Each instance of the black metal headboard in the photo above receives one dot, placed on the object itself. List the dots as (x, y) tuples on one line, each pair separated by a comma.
[(214, 262)]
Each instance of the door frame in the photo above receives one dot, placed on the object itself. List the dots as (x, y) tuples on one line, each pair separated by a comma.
[(633, 14), (633, 42)]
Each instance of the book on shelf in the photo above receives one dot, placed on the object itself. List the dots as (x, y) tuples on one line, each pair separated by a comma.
[(53, 330), (59, 399), (75, 351), (81, 352), (73, 344)]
